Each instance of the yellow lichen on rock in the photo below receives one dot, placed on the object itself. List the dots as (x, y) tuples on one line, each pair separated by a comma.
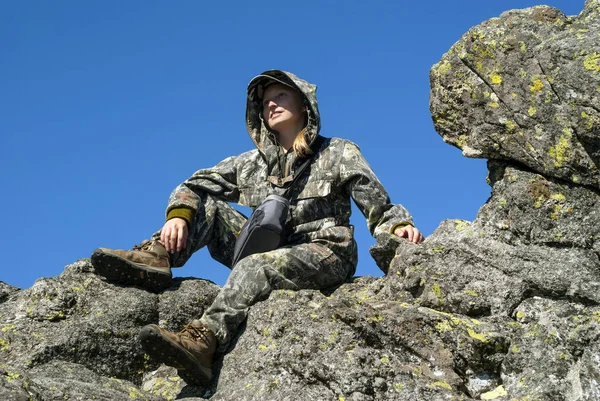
[(496, 78), (461, 141), (444, 67), (592, 62), (522, 46), (536, 85), (441, 384), (443, 326), (561, 152), (532, 110), (478, 336), (492, 395)]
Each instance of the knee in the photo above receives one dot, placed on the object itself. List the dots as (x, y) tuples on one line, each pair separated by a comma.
[(253, 262), (267, 267), (272, 259)]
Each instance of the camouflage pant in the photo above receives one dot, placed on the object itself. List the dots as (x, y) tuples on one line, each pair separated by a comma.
[(293, 267)]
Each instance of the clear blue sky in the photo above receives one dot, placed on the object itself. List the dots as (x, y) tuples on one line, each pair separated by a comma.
[(105, 106)]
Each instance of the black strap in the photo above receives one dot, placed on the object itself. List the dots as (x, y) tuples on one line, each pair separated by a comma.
[(315, 148)]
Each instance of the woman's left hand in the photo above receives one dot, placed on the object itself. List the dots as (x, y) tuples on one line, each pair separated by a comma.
[(410, 233)]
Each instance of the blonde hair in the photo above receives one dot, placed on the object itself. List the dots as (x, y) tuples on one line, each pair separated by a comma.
[(301, 146)]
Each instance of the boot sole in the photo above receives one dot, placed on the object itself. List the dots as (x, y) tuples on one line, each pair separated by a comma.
[(170, 353), (122, 271)]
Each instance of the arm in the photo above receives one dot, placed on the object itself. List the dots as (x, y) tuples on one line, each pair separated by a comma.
[(368, 193), (219, 181)]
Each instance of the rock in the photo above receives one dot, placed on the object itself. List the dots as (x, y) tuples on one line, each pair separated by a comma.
[(353, 346), (165, 383), (67, 381), (524, 88), (556, 354), (6, 290), (464, 270), (15, 386), (384, 250), (79, 318), (528, 208), (59, 380)]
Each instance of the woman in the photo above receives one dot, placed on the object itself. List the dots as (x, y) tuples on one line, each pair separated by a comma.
[(283, 121)]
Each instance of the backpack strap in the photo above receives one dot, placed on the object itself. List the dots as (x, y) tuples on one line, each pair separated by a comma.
[(298, 173)]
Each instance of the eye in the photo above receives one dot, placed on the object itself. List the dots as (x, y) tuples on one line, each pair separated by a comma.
[(281, 95)]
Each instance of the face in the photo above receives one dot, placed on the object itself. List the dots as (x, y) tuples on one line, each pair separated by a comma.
[(283, 108)]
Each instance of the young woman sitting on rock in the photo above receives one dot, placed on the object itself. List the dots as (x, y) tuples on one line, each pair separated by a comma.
[(283, 121)]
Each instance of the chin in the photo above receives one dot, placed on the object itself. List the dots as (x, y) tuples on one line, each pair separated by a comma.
[(276, 126)]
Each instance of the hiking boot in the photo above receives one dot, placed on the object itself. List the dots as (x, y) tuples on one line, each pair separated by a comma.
[(190, 351), (146, 266)]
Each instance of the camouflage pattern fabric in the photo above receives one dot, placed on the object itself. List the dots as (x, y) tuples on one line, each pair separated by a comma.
[(302, 266), (320, 234), (216, 226)]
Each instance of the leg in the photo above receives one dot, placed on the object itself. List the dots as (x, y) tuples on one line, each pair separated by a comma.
[(303, 266), (216, 226), (149, 265), (294, 267)]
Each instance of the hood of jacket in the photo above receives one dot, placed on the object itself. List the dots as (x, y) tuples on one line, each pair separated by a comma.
[(266, 140)]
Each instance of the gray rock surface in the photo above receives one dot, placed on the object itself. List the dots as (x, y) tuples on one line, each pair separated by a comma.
[(525, 87), (78, 318), (6, 290), (506, 307)]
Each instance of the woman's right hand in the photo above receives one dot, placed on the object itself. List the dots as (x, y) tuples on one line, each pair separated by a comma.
[(174, 234)]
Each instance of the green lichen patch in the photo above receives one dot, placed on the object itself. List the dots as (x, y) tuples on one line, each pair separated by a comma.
[(478, 336), (532, 110), (443, 326), (496, 393), (460, 225), (496, 78), (536, 85), (592, 62), (562, 151), (438, 293), (441, 384)]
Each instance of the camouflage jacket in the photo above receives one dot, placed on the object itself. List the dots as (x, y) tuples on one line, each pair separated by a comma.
[(320, 206)]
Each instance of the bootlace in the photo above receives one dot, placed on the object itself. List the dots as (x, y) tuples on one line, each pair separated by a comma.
[(196, 332), (144, 246)]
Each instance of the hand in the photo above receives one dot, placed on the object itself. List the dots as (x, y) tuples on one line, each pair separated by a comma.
[(410, 233), (174, 234)]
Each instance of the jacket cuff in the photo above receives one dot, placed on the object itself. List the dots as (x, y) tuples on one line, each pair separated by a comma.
[(183, 213), (399, 225)]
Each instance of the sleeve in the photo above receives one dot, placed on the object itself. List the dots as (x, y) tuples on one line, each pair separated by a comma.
[(219, 181), (368, 193)]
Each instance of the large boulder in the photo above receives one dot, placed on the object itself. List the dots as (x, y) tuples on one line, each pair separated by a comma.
[(91, 326), (525, 87)]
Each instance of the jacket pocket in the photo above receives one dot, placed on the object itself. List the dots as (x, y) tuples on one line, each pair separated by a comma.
[(315, 189), (252, 196)]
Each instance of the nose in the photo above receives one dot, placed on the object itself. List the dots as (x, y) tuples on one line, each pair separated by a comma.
[(271, 104)]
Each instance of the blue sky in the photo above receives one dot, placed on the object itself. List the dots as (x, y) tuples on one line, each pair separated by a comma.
[(106, 106)]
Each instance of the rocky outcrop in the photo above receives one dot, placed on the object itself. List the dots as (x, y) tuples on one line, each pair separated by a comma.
[(506, 307), (75, 332), (524, 87)]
